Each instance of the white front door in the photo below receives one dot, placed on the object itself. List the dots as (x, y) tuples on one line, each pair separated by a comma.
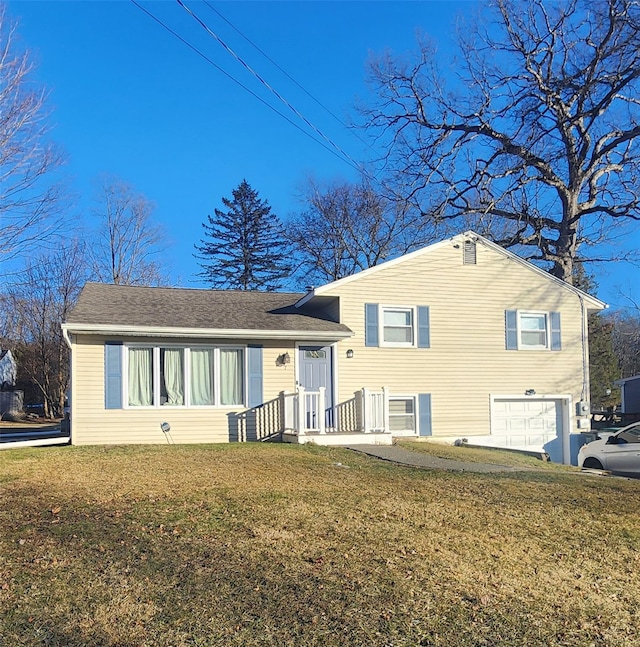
[(315, 370)]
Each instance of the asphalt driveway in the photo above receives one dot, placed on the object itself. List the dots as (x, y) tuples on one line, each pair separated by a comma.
[(402, 456)]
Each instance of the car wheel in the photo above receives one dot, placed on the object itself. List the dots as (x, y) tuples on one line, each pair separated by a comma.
[(592, 464)]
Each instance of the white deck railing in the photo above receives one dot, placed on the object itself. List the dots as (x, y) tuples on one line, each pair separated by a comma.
[(307, 411)]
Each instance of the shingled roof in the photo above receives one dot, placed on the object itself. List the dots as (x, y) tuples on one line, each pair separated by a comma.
[(129, 309)]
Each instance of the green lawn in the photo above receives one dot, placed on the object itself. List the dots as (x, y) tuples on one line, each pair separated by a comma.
[(266, 544)]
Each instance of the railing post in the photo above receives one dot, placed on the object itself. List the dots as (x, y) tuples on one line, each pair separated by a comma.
[(366, 411), (321, 413), (385, 410), (301, 410)]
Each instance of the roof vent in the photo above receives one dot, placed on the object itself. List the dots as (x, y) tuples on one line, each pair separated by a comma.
[(469, 252)]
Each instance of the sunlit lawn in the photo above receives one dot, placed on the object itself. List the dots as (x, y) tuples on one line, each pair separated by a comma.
[(266, 544)]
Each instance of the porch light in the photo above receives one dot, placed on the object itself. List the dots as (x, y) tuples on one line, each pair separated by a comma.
[(283, 359), (350, 353), (530, 392)]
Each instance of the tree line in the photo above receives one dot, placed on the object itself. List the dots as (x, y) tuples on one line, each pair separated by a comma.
[(528, 136)]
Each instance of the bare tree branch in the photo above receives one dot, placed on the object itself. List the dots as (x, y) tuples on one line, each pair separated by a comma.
[(535, 142)]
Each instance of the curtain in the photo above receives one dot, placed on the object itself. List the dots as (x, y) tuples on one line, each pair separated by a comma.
[(173, 376), (140, 377), (231, 376), (201, 376)]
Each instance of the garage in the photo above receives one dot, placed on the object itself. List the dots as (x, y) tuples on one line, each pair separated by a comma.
[(531, 423)]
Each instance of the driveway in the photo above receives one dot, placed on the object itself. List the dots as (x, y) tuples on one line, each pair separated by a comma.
[(402, 456)]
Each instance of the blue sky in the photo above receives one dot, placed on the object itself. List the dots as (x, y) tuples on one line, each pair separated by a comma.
[(131, 100)]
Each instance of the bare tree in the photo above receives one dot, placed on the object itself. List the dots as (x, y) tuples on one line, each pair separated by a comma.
[(535, 140), (30, 194), (347, 227), (37, 305), (126, 240)]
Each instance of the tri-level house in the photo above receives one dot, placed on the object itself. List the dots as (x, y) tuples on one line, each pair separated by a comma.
[(461, 339)]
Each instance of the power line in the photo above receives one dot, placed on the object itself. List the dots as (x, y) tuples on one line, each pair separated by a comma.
[(244, 87), (274, 63), (346, 156)]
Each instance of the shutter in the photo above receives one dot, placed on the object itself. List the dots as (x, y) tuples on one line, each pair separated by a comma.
[(371, 324), (113, 375), (556, 339), (423, 327), (511, 329), (254, 362), (424, 412)]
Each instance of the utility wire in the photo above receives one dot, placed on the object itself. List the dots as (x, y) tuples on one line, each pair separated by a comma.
[(347, 157), (274, 63), (244, 87)]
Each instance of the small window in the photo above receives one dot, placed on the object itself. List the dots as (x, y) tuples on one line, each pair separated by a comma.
[(398, 326), (533, 329), (402, 414)]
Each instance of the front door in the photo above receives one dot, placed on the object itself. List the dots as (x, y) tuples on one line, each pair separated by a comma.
[(315, 369)]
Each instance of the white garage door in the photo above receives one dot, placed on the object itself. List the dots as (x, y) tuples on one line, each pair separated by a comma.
[(526, 424)]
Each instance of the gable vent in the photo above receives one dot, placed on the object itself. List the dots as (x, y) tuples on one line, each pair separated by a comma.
[(469, 252)]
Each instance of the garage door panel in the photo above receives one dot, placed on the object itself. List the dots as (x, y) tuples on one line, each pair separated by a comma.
[(526, 423)]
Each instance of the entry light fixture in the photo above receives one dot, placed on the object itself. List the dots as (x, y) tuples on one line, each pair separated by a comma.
[(350, 353), (283, 359), (530, 392)]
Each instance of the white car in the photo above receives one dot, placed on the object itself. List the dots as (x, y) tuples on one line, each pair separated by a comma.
[(619, 452)]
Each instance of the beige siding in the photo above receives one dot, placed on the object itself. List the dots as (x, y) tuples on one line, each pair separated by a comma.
[(467, 360), (93, 424)]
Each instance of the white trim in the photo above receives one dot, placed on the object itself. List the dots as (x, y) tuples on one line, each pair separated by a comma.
[(202, 333), (186, 377), (416, 418), (547, 329), (414, 327), (334, 371), (596, 304)]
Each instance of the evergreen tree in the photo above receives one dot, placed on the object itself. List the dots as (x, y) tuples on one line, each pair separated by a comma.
[(243, 247), (604, 367)]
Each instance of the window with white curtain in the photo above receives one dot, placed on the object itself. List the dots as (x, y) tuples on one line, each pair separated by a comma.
[(231, 376), (202, 377), (185, 376), (140, 377)]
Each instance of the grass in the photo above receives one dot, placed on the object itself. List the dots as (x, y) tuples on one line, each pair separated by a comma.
[(266, 544)]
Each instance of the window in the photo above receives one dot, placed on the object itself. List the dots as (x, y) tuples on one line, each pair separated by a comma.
[(631, 435), (402, 414), (533, 330), (397, 326), (530, 330), (184, 376)]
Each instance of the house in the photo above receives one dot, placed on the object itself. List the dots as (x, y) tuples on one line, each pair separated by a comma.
[(460, 339)]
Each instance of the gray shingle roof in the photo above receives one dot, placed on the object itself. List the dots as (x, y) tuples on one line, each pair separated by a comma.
[(131, 306)]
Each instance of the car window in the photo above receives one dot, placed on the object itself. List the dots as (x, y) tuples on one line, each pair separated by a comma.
[(631, 435)]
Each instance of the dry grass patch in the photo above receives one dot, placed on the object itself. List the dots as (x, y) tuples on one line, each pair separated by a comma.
[(284, 545)]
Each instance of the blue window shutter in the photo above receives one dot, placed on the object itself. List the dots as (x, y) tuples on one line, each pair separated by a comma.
[(556, 339), (511, 329), (423, 327), (254, 361), (113, 375), (424, 412), (371, 324)]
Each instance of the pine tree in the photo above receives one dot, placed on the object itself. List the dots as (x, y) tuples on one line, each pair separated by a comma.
[(604, 368), (243, 248)]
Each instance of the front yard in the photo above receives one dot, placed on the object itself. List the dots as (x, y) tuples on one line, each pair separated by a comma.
[(272, 544)]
